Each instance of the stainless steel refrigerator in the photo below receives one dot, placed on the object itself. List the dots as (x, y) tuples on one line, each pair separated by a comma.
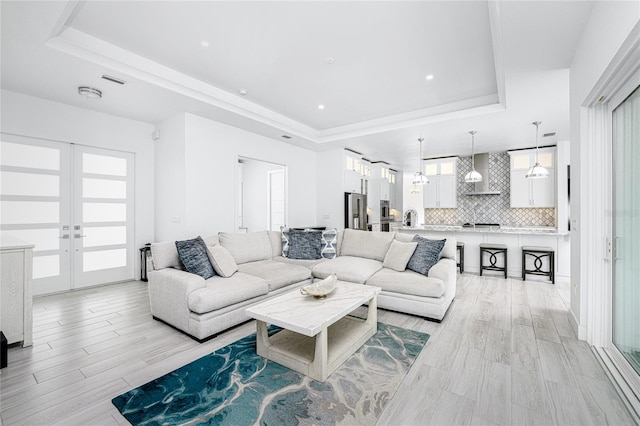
[(355, 211)]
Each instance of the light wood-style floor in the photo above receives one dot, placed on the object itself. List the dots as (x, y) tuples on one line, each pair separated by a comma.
[(505, 354)]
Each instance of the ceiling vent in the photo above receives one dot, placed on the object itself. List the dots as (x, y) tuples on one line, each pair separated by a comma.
[(546, 135), (113, 79)]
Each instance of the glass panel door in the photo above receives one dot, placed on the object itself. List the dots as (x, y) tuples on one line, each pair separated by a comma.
[(626, 229), (82, 227), (35, 197), (103, 214)]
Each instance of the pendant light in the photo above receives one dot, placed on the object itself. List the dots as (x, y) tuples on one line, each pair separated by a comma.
[(537, 171), (420, 178), (473, 176)]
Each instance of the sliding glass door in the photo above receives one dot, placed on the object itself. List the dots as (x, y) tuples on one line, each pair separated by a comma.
[(626, 229), (75, 203)]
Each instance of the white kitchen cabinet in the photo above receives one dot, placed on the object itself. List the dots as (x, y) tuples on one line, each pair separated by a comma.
[(442, 190), (384, 189), (352, 182), (356, 172), (16, 315), (532, 193)]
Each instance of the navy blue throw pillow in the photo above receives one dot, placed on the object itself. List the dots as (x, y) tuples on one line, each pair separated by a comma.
[(305, 244), (426, 254), (193, 254)]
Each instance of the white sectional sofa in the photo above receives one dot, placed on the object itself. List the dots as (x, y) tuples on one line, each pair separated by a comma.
[(202, 308)]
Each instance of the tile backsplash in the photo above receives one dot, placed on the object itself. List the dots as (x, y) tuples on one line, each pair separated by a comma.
[(489, 208)]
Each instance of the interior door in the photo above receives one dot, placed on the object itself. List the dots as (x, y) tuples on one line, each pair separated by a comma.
[(102, 234), (276, 200), (75, 204), (35, 195)]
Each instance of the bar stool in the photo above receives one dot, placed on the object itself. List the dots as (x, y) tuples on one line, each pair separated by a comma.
[(460, 248), (493, 250), (538, 253)]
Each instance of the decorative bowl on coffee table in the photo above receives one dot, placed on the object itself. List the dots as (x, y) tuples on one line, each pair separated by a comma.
[(320, 289)]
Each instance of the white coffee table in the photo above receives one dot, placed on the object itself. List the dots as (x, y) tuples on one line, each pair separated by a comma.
[(318, 335)]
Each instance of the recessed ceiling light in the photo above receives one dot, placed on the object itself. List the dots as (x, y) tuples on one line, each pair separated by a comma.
[(320, 106), (329, 60), (429, 77), (89, 92), (243, 92), (204, 43)]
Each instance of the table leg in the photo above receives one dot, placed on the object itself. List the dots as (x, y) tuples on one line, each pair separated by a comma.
[(372, 314), (319, 368), (262, 339)]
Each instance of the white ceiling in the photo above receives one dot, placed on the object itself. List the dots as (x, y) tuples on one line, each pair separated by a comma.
[(497, 66)]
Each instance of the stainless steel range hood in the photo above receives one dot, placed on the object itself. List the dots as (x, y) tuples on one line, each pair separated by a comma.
[(482, 166)]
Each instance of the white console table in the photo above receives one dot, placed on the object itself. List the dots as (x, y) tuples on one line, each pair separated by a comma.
[(16, 313)]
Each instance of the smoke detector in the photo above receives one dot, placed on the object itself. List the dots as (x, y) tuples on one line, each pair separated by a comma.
[(89, 92)]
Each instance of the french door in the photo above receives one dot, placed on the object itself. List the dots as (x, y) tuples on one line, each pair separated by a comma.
[(75, 204)]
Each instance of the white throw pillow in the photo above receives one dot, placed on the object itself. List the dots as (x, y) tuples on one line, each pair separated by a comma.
[(398, 255), (223, 263)]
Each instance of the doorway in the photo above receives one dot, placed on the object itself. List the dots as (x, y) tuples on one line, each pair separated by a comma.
[(261, 195), (75, 204)]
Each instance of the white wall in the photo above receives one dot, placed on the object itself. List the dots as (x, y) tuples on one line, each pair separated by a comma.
[(170, 180), (211, 151), (330, 188), (39, 118), (609, 25)]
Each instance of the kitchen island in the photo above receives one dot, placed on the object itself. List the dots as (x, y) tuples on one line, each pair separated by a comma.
[(513, 237)]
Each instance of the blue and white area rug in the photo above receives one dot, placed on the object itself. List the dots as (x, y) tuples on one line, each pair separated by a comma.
[(235, 386)]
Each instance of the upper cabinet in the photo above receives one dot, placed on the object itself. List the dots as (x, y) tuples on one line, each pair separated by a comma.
[(356, 172), (532, 193), (442, 190)]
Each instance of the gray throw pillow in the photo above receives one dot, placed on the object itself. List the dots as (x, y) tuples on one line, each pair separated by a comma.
[(398, 255), (426, 254), (193, 254), (305, 244), (223, 263)]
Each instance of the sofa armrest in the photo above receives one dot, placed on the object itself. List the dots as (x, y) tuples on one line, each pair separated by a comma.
[(445, 270), (169, 291)]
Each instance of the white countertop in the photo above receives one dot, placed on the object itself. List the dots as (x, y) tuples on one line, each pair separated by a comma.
[(536, 230)]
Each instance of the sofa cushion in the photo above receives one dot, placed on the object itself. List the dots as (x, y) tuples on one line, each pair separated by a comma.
[(300, 262), (305, 244), (194, 257), (348, 268), (370, 245), (247, 247), (222, 261), (276, 243), (426, 254), (165, 255), (450, 246), (407, 282), (398, 255), (221, 292), (276, 274)]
